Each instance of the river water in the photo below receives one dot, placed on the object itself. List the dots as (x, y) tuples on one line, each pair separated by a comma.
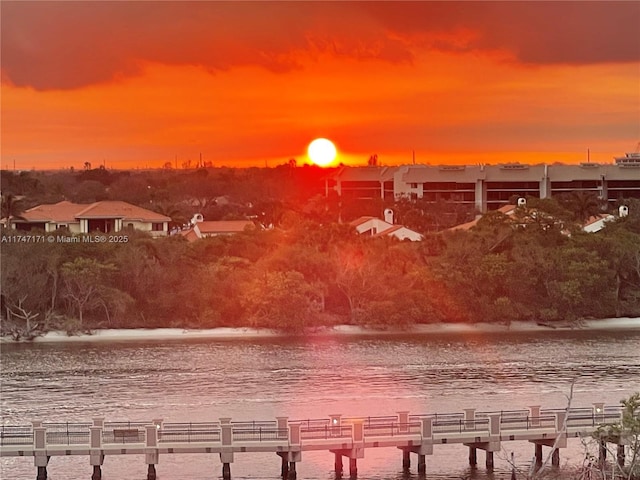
[(314, 377)]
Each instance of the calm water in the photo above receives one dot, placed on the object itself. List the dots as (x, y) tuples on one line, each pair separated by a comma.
[(309, 378)]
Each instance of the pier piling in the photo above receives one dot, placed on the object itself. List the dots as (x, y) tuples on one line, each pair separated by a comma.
[(151, 472), (473, 456), (555, 458), (353, 468), (621, 456), (284, 468), (226, 471), (406, 460), (489, 461), (338, 465), (602, 457), (97, 473), (42, 473), (422, 464), (292, 475), (538, 454)]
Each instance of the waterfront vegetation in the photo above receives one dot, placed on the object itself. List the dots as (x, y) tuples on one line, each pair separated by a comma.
[(306, 270)]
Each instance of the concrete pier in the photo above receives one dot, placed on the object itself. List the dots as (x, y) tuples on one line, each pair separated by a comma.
[(342, 436)]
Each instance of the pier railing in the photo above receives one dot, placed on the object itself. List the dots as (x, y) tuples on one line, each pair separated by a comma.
[(16, 435)]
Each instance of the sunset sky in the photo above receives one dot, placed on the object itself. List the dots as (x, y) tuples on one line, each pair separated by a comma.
[(139, 84)]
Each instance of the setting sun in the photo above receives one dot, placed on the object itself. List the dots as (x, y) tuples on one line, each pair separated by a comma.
[(322, 151)]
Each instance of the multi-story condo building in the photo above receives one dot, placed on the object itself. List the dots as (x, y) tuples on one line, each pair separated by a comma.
[(488, 187)]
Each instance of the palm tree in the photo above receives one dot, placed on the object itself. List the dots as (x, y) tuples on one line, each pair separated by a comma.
[(12, 209), (178, 218), (582, 204)]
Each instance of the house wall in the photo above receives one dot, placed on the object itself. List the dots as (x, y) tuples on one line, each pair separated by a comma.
[(372, 226), (406, 234), (147, 227), (72, 227)]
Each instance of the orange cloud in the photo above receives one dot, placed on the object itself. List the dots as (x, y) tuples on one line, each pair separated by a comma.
[(144, 83)]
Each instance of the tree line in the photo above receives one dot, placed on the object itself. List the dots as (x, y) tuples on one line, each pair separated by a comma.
[(305, 274)]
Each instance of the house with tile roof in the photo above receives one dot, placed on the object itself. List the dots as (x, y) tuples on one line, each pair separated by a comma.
[(200, 228), (106, 217), (377, 227), (593, 224)]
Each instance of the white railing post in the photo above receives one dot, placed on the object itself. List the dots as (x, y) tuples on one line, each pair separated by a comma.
[(403, 421), (560, 429), (40, 457), (95, 438), (152, 436), (358, 432), (534, 416), (427, 428), (494, 425), (294, 434), (96, 457), (282, 424), (335, 421), (598, 413), (494, 433), (39, 436), (469, 418), (226, 437), (226, 432), (151, 454)]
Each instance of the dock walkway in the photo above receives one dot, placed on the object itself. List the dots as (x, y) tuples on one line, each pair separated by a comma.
[(345, 437)]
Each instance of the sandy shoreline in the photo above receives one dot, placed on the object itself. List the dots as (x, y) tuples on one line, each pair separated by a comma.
[(222, 333)]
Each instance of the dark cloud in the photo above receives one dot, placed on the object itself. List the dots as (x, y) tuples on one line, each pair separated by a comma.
[(538, 32), (62, 45)]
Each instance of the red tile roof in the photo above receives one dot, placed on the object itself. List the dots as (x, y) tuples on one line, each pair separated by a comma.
[(124, 210), (57, 212), (224, 226), (360, 221), (70, 212)]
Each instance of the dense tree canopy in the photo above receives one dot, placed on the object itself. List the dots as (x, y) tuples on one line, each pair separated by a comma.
[(304, 268), (312, 274)]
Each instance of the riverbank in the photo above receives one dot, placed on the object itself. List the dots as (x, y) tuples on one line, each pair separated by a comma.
[(222, 333)]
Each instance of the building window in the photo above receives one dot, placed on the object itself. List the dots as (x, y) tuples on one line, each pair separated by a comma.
[(157, 227)]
